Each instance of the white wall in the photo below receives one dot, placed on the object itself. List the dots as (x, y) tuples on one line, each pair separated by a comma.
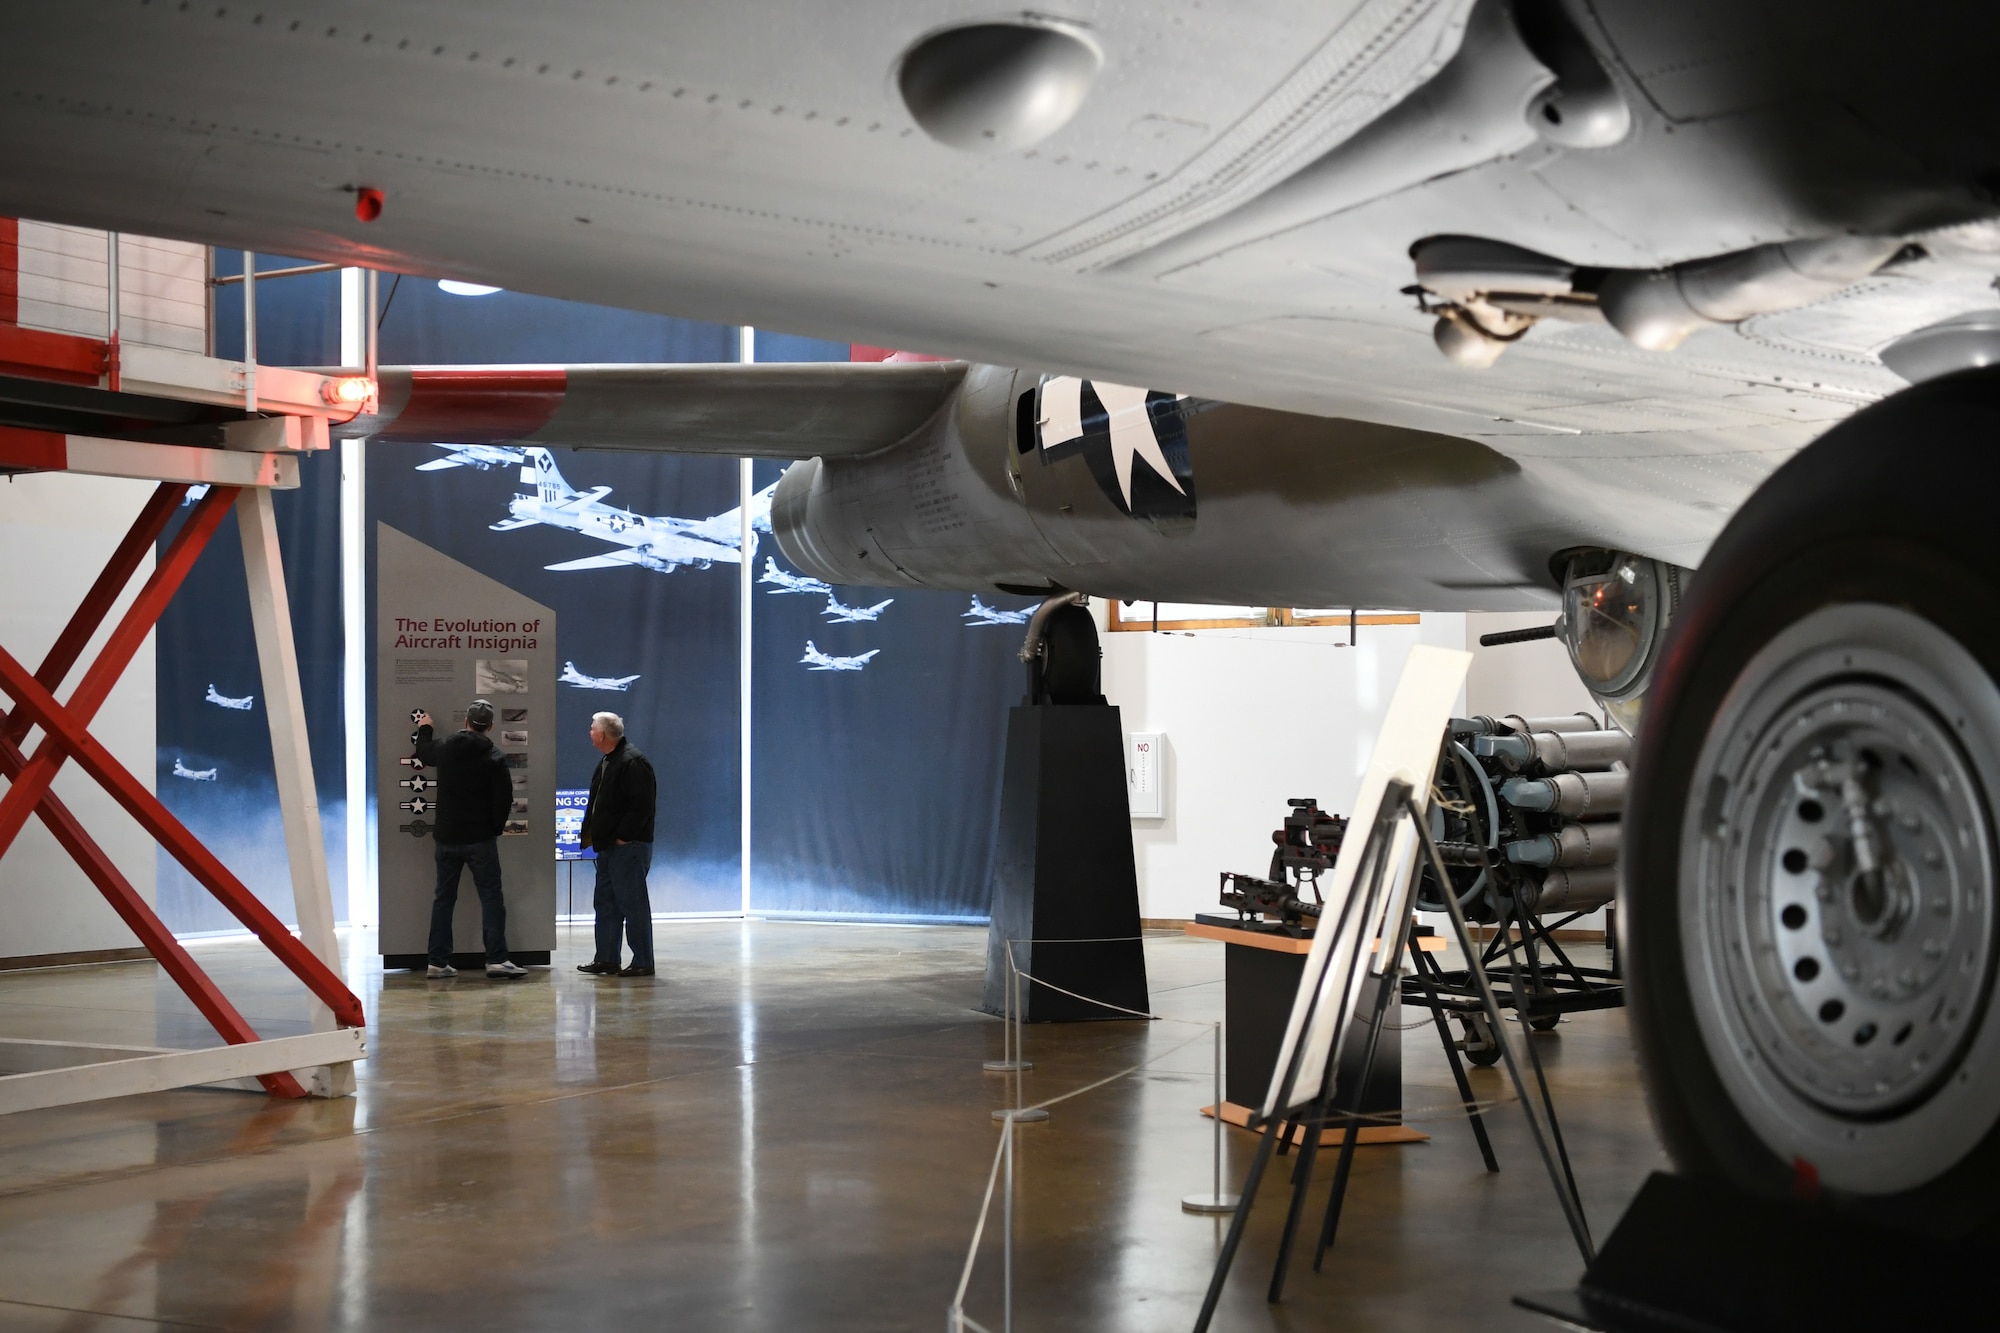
[(56, 532), (1532, 679), (1251, 717)]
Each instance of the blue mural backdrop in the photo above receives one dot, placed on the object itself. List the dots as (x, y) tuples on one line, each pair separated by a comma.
[(214, 756), (879, 715), (879, 724), (659, 648), (875, 787)]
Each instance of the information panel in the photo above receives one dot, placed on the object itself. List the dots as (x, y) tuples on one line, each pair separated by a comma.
[(444, 636)]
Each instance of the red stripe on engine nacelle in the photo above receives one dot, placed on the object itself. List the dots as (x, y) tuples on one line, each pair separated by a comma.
[(477, 406)]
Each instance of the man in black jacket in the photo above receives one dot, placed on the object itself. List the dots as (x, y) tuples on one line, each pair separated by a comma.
[(618, 822), (473, 798)]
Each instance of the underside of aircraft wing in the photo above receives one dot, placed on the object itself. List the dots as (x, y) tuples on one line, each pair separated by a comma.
[(439, 465), (509, 524), (780, 410), (610, 560)]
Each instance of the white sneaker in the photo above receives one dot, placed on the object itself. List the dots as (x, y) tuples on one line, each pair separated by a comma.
[(505, 970), (441, 970)]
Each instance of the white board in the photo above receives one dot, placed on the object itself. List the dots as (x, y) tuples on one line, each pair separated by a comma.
[(1407, 748)]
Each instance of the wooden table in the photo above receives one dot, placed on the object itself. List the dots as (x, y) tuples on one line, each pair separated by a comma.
[(1261, 973)]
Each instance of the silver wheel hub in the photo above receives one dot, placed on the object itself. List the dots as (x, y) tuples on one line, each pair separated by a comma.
[(1839, 930)]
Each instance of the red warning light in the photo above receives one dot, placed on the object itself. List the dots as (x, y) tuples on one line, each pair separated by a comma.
[(368, 203), (348, 391)]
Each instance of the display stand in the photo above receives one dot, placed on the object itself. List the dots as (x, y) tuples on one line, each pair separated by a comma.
[(1261, 971), (1065, 890)]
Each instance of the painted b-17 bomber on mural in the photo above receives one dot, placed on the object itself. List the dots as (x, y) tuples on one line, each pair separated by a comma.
[(661, 543)]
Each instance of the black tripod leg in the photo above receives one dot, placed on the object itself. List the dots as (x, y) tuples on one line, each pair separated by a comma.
[(1339, 1194), (1548, 1101), (1237, 1222), (1301, 1182), (1388, 991), (1465, 1096)]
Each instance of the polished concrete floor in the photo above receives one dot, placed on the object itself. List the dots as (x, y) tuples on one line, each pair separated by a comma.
[(787, 1129)]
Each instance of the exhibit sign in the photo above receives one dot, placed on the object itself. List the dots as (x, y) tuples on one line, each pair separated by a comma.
[(570, 809), (1144, 790), (445, 635)]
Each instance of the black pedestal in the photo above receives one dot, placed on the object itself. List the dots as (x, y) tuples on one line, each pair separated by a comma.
[(1062, 867), (1689, 1254), (1259, 985)]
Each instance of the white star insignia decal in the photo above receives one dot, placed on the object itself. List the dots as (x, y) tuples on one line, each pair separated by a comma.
[(1132, 436)]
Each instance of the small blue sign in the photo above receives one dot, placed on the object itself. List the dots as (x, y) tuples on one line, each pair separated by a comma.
[(570, 806)]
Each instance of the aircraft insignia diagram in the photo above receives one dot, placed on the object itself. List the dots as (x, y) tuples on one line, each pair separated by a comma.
[(181, 770), (815, 660), (240, 704), (838, 613), (660, 543), (982, 614), (1115, 426), (572, 677)]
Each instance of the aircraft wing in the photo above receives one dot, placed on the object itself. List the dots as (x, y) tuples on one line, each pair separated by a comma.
[(610, 560), (438, 465), (585, 498), (509, 524), (778, 410)]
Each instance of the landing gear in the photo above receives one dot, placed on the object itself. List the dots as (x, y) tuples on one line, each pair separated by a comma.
[(1810, 873)]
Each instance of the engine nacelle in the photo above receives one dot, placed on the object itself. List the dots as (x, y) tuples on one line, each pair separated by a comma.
[(1029, 483)]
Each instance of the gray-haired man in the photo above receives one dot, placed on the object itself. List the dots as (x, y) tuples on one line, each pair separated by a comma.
[(618, 822)]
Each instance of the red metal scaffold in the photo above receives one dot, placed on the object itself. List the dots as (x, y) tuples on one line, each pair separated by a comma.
[(240, 478)]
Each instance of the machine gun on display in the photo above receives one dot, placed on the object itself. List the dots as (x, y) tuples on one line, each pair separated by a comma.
[(1308, 843)]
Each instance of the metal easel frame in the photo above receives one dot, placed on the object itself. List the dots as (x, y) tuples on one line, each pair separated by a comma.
[(1398, 802)]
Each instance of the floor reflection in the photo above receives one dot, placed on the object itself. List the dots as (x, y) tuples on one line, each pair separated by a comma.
[(787, 1129)]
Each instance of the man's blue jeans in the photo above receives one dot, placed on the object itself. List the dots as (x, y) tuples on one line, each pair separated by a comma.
[(484, 858), (622, 901)]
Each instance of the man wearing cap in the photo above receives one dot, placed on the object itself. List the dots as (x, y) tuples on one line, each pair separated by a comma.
[(473, 798), (618, 822)]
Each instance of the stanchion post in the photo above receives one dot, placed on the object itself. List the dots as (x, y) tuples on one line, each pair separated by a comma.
[(1019, 1113), (1012, 1058), (1007, 1245), (1215, 1201)]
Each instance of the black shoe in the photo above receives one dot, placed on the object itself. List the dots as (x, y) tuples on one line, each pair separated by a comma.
[(602, 969), (635, 972)]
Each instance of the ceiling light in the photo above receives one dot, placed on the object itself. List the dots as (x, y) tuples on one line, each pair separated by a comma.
[(457, 288)]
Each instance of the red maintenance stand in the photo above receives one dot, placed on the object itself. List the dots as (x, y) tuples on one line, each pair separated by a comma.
[(87, 405)]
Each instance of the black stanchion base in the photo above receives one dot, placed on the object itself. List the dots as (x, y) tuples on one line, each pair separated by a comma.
[(1694, 1255)]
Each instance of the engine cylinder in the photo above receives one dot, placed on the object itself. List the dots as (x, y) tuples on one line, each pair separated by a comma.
[(1577, 890), (1575, 795), (1570, 845)]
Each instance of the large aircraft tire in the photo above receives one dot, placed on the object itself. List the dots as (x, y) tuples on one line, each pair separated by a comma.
[(1810, 922)]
